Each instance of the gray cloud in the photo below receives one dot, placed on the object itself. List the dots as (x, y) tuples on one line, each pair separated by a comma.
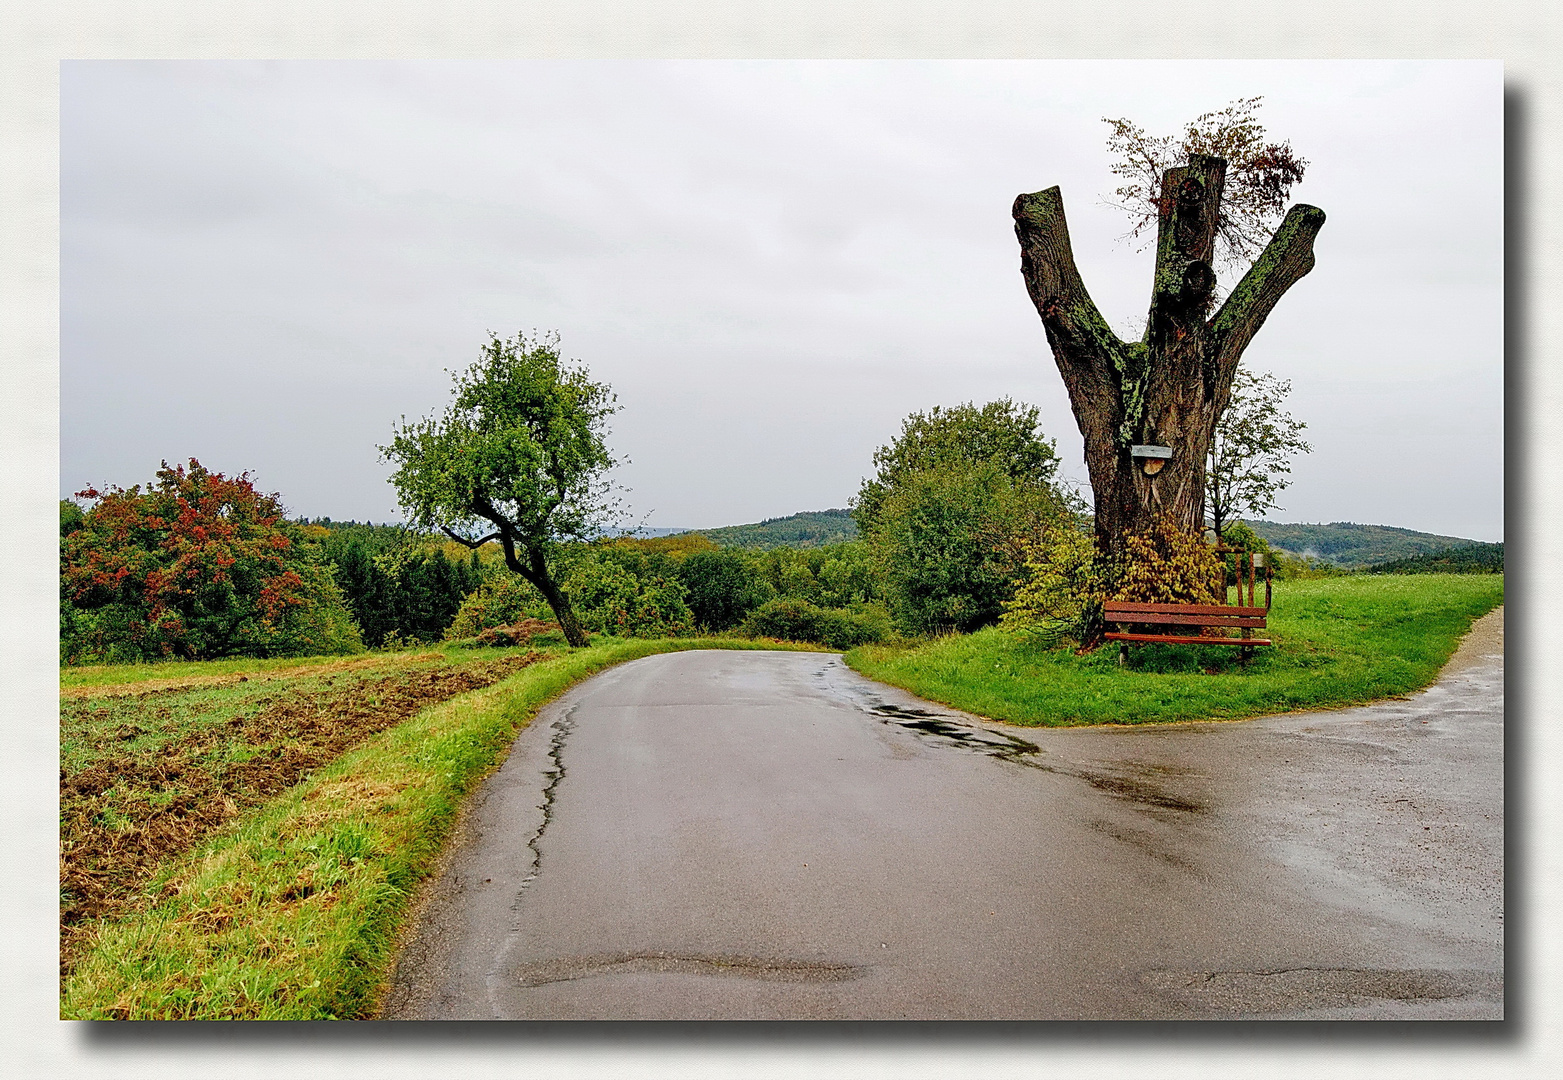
[(265, 264)]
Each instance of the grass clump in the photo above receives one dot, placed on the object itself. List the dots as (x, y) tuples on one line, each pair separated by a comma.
[(1338, 641), (291, 910)]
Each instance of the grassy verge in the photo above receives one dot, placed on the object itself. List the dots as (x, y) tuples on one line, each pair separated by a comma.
[(290, 911), (1339, 641)]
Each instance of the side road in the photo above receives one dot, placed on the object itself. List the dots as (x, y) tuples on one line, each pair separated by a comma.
[(768, 835)]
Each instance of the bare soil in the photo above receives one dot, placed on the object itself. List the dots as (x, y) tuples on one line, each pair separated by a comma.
[(126, 813)]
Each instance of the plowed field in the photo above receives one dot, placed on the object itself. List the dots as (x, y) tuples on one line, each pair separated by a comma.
[(147, 773)]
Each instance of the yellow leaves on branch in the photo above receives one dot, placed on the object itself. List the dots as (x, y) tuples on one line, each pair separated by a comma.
[(1167, 565), (1063, 583)]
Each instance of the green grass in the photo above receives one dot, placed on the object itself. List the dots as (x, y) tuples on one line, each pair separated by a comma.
[(1339, 641), (292, 911), (94, 675)]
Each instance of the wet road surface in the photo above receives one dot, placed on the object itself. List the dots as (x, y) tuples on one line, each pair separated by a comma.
[(769, 835)]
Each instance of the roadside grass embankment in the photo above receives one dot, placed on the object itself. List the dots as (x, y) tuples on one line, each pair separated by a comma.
[(1338, 641), (289, 907)]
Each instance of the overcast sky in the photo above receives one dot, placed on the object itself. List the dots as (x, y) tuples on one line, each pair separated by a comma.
[(265, 265)]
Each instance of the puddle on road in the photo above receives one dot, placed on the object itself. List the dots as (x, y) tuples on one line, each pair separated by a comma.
[(944, 729), (941, 726)]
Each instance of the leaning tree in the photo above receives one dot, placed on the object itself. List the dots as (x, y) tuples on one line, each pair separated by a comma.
[(1148, 409)]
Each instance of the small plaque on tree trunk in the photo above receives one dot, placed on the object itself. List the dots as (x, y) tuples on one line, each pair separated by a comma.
[(1151, 458)]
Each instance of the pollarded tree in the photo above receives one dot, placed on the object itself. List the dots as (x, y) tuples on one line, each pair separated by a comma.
[(1166, 392), (520, 450)]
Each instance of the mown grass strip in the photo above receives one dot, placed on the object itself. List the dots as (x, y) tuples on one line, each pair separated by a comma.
[(163, 673), (1339, 641), (291, 913)]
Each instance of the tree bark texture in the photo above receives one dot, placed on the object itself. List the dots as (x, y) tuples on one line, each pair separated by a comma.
[(1171, 387), (533, 567)]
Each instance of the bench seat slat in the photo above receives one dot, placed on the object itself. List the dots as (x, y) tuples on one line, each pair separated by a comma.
[(1177, 639)]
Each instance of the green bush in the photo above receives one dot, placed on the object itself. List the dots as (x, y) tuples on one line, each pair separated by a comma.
[(945, 544), (1061, 596), (791, 619), (610, 599), (723, 586), (499, 601)]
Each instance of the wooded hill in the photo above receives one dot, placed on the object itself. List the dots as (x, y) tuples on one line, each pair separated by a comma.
[(1352, 546), (1471, 559), (810, 529), (1381, 548), (1342, 543)]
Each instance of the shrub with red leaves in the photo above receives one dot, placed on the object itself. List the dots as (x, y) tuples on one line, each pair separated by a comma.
[(197, 566)]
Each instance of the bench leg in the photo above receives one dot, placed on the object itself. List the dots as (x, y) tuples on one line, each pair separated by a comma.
[(1123, 654)]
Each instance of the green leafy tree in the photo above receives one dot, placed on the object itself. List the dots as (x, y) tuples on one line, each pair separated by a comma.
[(723, 586), (950, 498), (520, 452), (198, 565), (1252, 450), (1001, 432), (944, 543), (71, 517), (613, 599)]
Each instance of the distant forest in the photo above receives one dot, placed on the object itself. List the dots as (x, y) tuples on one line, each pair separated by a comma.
[(1353, 547), (1470, 559), (1341, 543), (811, 529), (1345, 544)]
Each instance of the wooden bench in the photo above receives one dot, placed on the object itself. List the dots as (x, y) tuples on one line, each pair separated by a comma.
[(1245, 620), (1175, 616)]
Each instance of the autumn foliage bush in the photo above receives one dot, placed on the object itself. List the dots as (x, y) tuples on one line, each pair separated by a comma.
[(1061, 594), (198, 565), (1067, 580), (1165, 565)]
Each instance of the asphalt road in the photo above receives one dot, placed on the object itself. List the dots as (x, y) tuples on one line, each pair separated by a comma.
[(769, 835)]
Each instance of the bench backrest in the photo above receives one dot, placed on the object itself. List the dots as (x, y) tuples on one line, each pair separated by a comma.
[(1124, 611)]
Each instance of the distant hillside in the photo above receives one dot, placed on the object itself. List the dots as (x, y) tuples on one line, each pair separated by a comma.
[(809, 529), (1348, 544), (1471, 559), (1344, 543), (643, 531)]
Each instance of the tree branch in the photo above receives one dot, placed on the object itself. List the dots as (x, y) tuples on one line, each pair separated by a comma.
[(1047, 263), (1092, 360), (474, 544), (1284, 261), (1189, 213)]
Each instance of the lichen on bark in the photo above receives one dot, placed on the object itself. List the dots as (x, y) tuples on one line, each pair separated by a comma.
[(1172, 386)]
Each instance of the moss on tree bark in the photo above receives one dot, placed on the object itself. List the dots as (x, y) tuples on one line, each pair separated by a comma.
[(1171, 387)]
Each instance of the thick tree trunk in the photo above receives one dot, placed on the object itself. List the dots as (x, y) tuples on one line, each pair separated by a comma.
[(1170, 388), (535, 570)]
